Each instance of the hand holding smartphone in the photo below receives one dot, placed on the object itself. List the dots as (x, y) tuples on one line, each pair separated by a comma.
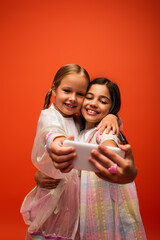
[(83, 151)]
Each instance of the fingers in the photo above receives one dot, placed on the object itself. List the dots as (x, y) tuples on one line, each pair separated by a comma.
[(109, 123), (106, 178), (46, 182), (113, 179), (63, 165), (126, 169), (71, 137), (103, 163), (63, 158), (102, 127), (61, 154), (108, 128), (51, 180), (67, 169), (99, 159), (99, 126), (105, 156), (60, 150), (104, 174), (129, 158), (49, 184), (115, 129), (128, 150), (99, 166)]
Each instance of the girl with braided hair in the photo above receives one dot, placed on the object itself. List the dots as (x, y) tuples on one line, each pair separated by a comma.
[(54, 214)]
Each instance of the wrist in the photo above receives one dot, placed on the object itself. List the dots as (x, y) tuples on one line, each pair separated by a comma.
[(50, 137)]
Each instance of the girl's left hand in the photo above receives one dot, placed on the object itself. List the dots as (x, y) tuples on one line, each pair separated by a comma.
[(126, 169), (110, 122), (44, 181)]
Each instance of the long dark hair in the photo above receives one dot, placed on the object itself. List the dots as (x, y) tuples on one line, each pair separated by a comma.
[(115, 97), (113, 90)]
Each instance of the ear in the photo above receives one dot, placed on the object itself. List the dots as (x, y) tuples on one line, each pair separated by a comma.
[(53, 91)]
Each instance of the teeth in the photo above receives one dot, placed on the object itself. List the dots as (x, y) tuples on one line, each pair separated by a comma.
[(91, 111), (71, 106)]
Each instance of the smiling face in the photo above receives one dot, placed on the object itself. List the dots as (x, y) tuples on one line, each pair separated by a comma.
[(96, 105), (70, 94)]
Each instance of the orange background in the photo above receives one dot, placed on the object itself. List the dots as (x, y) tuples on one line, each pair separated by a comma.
[(115, 39)]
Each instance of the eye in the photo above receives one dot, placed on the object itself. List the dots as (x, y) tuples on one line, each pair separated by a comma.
[(66, 90), (80, 94), (89, 96), (103, 102)]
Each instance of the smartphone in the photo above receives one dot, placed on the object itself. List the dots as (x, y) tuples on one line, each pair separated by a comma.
[(83, 151)]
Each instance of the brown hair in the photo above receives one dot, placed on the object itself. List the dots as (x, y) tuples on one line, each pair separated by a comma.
[(61, 73)]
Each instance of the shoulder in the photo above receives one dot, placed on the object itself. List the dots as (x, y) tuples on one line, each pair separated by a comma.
[(50, 117), (108, 136), (50, 112)]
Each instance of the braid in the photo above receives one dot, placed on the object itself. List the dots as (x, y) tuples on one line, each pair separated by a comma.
[(123, 138), (47, 99)]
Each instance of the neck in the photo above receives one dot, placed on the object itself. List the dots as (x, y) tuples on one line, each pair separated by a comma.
[(89, 125)]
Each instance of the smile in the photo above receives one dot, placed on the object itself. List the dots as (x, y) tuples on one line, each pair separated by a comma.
[(70, 106), (91, 112)]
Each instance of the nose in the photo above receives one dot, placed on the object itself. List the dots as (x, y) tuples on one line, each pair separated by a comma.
[(73, 97), (93, 103)]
